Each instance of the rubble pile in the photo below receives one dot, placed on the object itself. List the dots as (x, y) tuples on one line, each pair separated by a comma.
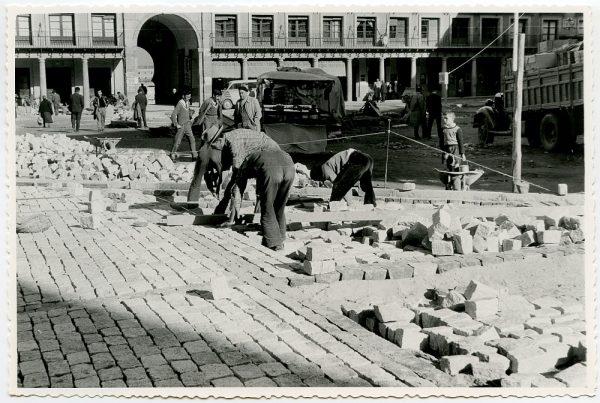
[(61, 158), (488, 336)]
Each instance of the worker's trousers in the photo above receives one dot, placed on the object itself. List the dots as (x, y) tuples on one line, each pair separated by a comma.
[(185, 129), (273, 187), (359, 168)]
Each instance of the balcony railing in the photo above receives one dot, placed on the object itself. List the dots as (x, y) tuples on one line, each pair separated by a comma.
[(245, 41), (44, 41)]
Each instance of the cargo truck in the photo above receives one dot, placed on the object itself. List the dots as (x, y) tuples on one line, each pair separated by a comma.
[(552, 112)]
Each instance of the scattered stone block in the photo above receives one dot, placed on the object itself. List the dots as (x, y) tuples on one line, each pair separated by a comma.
[(511, 245), (318, 251), (487, 371), (440, 247), (410, 338), (442, 218), (312, 267), (517, 381), (456, 364), (441, 338), (577, 236), (89, 221), (552, 220), (549, 237), (516, 306), (481, 308), (392, 327), (562, 189), (543, 382), (527, 238), (536, 226), (328, 278), (393, 312), (531, 359), (96, 206), (547, 302), (338, 206), (479, 244), (95, 195), (477, 290), (400, 271), (119, 207), (423, 268), (415, 234), (220, 288), (463, 242), (485, 229), (452, 300), (348, 273), (493, 244)]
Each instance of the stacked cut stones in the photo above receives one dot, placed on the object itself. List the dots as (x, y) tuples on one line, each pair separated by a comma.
[(492, 336), (449, 235), (58, 157), (99, 204)]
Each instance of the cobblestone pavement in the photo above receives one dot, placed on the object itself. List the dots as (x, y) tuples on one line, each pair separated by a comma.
[(130, 306)]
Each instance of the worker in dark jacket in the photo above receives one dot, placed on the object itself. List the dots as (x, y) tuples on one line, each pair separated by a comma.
[(76, 107), (433, 104), (274, 172), (344, 169)]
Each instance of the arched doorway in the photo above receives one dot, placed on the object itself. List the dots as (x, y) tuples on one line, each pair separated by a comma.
[(173, 45)]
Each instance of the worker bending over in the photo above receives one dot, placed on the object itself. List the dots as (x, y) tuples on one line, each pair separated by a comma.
[(274, 172), (344, 169)]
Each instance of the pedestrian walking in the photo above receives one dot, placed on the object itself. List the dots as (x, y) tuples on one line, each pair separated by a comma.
[(76, 107), (100, 103), (433, 105), (46, 111), (274, 172), (141, 103), (344, 169), (377, 90), (210, 114), (143, 88), (181, 119), (417, 118), (55, 102), (383, 91), (248, 112)]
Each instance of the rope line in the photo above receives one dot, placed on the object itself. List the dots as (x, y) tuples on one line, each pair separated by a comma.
[(470, 161), (487, 46)]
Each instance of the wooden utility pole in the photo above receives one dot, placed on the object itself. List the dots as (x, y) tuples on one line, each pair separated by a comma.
[(518, 102)]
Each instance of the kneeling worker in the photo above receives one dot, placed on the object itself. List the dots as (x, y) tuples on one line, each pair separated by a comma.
[(344, 169), (274, 172)]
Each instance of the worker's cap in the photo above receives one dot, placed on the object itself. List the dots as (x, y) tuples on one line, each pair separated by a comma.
[(244, 88), (498, 95)]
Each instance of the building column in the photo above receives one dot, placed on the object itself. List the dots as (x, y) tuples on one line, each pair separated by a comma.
[(382, 69), (315, 62), (349, 80), (413, 72), (86, 82), (444, 70), (474, 77), (244, 68), (205, 74), (43, 85)]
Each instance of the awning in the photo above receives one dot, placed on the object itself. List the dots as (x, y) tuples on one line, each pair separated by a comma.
[(293, 138), (295, 76)]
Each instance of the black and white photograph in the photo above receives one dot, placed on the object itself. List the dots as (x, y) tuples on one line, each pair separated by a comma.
[(300, 201)]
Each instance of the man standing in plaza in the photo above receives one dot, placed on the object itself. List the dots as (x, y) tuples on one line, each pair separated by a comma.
[(181, 118), (210, 114), (55, 98), (100, 103), (142, 102), (76, 106), (434, 108), (247, 111)]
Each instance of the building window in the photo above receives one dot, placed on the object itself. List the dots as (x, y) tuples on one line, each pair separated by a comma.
[(61, 28), (398, 31), (23, 29), (365, 29), (103, 28), (489, 30), (262, 30), (429, 31), (549, 30), (298, 29), (226, 29), (332, 29), (460, 31), (523, 25)]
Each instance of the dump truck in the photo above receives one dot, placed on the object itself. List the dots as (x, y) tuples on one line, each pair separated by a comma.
[(552, 112)]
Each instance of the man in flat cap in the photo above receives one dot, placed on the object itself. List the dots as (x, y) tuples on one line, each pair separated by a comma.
[(247, 111)]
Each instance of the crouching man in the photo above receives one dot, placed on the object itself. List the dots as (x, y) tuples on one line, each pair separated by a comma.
[(344, 169), (274, 172)]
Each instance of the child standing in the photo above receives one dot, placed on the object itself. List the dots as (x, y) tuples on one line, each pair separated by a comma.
[(451, 142)]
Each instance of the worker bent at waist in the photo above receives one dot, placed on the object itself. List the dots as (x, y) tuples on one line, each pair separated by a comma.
[(344, 169)]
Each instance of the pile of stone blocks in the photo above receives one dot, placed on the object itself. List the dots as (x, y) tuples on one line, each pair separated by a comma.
[(58, 157), (493, 337), (99, 203)]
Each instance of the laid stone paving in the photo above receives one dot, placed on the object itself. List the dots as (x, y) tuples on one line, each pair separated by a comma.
[(122, 305)]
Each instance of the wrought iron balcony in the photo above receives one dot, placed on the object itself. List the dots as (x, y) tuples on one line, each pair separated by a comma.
[(77, 41), (381, 41)]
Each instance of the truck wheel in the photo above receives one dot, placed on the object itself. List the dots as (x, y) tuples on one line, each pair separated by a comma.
[(549, 132), (227, 104)]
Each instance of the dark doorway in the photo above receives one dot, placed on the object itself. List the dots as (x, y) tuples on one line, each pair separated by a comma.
[(100, 80), (431, 70), (373, 70), (22, 82), (489, 75), (59, 80)]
